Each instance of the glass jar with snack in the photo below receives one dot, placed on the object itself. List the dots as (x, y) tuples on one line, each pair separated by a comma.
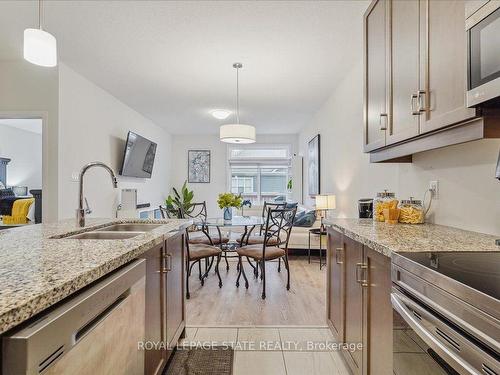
[(411, 211), (384, 200)]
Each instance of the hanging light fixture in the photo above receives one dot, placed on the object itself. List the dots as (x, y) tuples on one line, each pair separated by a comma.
[(237, 133), (40, 47)]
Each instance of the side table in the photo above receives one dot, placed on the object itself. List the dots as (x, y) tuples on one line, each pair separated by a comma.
[(320, 233)]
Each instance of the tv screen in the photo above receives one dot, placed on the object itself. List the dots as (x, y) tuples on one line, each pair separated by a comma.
[(138, 157)]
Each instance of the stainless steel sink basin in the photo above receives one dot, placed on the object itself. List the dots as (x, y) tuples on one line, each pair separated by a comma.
[(130, 227), (100, 235)]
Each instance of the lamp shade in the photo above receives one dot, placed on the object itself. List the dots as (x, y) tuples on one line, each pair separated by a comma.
[(326, 202), (40, 47), (237, 133)]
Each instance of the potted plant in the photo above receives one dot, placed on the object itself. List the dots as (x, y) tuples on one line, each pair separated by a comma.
[(180, 203), (227, 201)]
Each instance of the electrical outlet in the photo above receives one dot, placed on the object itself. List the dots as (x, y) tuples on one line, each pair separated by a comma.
[(75, 177), (434, 188)]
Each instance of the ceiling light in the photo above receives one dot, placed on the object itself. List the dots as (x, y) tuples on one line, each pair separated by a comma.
[(220, 114), (40, 47), (237, 133)]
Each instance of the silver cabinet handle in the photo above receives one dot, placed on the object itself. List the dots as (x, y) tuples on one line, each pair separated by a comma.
[(421, 101), (384, 126), (413, 104), (360, 267), (338, 251), (166, 263)]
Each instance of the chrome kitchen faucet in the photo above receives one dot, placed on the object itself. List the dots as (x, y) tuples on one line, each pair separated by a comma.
[(80, 211)]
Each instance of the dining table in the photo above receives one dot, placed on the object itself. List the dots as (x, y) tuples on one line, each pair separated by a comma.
[(248, 223)]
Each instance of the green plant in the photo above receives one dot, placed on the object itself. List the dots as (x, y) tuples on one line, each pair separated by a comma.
[(289, 185), (179, 204), (229, 200)]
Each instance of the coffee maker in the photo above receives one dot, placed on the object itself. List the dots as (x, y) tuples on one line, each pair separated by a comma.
[(365, 208)]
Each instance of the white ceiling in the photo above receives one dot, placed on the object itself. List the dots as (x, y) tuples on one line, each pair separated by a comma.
[(30, 125), (172, 60)]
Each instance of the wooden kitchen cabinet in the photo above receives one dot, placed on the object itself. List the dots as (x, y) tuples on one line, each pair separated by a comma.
[(155, 359), (375, 54), (444, 69), (175, 288), (335, 285), (377, 314), (165, 310), (404, 114), (359, 309), (416, 79)]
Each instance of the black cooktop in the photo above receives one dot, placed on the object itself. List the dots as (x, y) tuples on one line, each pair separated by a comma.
[(478, 270)]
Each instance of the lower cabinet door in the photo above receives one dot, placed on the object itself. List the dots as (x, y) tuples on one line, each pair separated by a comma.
[(353, 331), (377, 313), (175, 288), (335, 284), (155, 356)]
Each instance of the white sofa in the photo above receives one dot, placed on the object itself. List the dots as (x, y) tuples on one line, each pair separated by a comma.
[(300, 235)]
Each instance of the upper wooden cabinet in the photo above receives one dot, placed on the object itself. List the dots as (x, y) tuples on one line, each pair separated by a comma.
[(416, 79), (376, 91), (444, 71)]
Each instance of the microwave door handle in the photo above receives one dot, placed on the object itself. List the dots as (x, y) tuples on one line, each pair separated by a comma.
[(440, 348)]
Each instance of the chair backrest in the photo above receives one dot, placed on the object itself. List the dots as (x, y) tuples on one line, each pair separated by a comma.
[(196, 210), (279, 225), (168, 214), (267, 206)]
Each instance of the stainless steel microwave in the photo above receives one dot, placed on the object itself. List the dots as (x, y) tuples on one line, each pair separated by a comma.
[(483, 39)]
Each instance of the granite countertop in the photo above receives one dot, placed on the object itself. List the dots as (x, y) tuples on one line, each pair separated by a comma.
[(388, 238), (36, 271)]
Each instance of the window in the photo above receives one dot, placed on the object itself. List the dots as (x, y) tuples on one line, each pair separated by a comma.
[(260, 172)]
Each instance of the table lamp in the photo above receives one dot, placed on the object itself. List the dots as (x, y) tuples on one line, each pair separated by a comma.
[(325, 202)]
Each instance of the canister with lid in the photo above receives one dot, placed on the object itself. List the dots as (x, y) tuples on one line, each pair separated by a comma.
[(412, 211), (383, 200)]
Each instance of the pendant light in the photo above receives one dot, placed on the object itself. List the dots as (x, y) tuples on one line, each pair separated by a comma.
[(237, 133), (40, 47)]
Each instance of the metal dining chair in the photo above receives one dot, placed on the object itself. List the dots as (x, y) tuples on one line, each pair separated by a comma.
[(279, 223)]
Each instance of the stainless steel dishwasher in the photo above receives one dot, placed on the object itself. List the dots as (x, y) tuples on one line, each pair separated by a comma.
[(95, 332)]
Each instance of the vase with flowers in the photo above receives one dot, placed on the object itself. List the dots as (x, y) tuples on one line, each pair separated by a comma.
[(227, 201)]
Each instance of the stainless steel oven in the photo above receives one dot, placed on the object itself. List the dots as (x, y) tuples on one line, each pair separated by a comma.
[(446, 313), (483, 39)]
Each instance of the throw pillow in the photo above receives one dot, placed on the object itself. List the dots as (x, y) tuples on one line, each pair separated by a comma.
[(305, 219)]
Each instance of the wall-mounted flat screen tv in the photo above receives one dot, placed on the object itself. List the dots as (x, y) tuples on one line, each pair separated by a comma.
[(138, 157)]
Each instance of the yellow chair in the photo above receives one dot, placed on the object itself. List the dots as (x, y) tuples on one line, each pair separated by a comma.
[(20, 210)]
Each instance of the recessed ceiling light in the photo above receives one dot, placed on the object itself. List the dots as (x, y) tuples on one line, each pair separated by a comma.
[(220, 114)]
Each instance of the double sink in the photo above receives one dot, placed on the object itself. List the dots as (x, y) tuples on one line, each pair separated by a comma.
[(115, 232)]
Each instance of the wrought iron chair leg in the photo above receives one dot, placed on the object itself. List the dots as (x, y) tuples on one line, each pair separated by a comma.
[(279, 264), (199, 270), (244, 275), (217, 271), (188, 271), (239, 272), (261, 263), (263, 275), (287, 266)]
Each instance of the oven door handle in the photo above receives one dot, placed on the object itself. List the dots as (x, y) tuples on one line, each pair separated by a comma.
[(398, 303)]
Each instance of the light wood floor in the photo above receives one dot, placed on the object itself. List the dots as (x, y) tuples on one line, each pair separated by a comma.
[(304, 304)]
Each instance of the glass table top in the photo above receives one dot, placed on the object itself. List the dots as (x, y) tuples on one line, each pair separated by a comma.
[(237, 221)]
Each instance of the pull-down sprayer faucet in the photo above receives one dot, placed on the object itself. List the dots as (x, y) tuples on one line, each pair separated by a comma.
[(80, 212)]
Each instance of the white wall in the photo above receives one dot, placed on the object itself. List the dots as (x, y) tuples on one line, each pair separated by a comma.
[(28, 91), (469, 195), (93, 127), (218, 169), (345, 170), (24, 148)]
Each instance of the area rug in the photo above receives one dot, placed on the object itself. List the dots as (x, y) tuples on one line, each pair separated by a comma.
[(199, 361)]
